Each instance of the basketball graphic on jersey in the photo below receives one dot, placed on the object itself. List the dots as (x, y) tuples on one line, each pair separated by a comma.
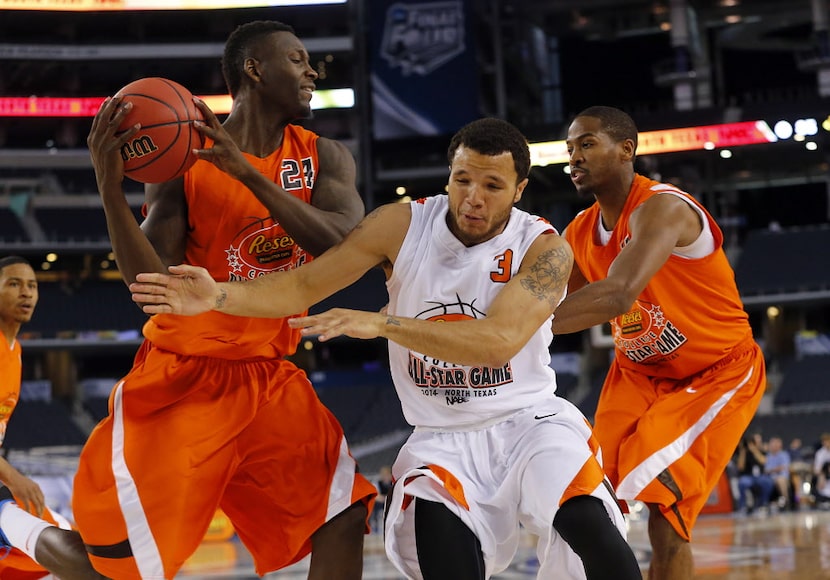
[(457, 382), (645, 335), (458, 310)]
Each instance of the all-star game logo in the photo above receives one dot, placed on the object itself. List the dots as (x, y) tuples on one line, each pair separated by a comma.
[(421, 37), (6, 408), (645, 336), (260, 248), (456, 383)]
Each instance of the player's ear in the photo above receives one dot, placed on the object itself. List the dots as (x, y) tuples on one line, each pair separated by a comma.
[(251, 68), (520, 187), (629, 149)]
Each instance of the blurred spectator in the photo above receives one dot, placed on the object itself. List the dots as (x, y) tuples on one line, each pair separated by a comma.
[(798, 454), (777, 467), (821, 470), (751, 477), (384, 486), (800, 469)]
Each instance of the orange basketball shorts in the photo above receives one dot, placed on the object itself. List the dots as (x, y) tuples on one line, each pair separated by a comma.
[(688, 428), (186, 435)]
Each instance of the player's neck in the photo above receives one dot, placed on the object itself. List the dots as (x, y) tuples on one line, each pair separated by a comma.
[(9, 330), (256, 138), (612, 198)]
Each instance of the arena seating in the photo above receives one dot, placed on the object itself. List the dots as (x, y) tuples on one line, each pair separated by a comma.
[(11, 230), (805, 424), (91, 305), (805, 383), (780, 262), (42, 424), (73, 224)]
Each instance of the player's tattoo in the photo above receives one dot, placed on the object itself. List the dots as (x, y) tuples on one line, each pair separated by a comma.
[(548, 275), (392, 321), (372, 216), (220, 300)]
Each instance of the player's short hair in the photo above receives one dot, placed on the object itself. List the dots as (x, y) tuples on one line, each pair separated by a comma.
[(239, 44), (616, 123), (11, 260), (491, 136)]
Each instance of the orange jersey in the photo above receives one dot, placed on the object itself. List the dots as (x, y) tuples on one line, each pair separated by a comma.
[(10, 375), (690, 314), (16, 565), (233, 236)]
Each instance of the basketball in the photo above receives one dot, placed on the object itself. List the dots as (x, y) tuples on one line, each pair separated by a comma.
[(162, 148)]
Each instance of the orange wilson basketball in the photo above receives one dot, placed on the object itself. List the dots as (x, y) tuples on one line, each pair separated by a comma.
[(162, 148)]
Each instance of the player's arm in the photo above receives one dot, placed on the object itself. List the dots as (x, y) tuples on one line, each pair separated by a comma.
[(577, 279), (134, 252), (658, 226), (27, 493), (335, 208), (190, 290), (336, 204), (524, 304)]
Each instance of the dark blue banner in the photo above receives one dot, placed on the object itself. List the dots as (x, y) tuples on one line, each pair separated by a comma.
[(424, 75)]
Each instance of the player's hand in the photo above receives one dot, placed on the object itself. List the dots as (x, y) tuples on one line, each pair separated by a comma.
[(340, 321), (105, 146), (187, 290), (27, 494), (225, 154)]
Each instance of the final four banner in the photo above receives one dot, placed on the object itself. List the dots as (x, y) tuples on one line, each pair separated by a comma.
[(424, 73)]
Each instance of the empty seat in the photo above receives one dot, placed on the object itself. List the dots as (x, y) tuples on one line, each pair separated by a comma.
[(805, 382), (11, 229), (42, 424), (776, 262), (90, 306)]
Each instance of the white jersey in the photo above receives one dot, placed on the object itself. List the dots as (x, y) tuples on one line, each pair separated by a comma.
[(436, 277)]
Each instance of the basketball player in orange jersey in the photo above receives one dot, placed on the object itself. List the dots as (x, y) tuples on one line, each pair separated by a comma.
[(687, 376), (212, 414), (473, 282), (18, 298)]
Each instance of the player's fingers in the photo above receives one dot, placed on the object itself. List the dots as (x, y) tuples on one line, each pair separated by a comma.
[(208, 131), (206, 154), (153, 278), (102, 122), (149, 298), (103, 113), (118, 112), (127, 135), (325, 334), (185, 269), (147, 290), (210, 117), (299, 321), (30, 504), (156, 309), (39, 504)]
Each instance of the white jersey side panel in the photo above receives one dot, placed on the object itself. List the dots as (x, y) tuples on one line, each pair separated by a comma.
[(436, 277)]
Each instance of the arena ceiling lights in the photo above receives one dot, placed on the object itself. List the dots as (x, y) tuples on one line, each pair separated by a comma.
[(707, 137), (88, 106)]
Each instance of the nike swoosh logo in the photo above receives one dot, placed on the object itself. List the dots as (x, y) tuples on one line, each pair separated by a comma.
[(691, 390), (544, 416)]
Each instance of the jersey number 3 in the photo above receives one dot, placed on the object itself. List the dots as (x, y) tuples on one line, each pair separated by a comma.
[(504, 265)]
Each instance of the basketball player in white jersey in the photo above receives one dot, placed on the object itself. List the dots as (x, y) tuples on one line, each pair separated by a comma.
[(473, 283)]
